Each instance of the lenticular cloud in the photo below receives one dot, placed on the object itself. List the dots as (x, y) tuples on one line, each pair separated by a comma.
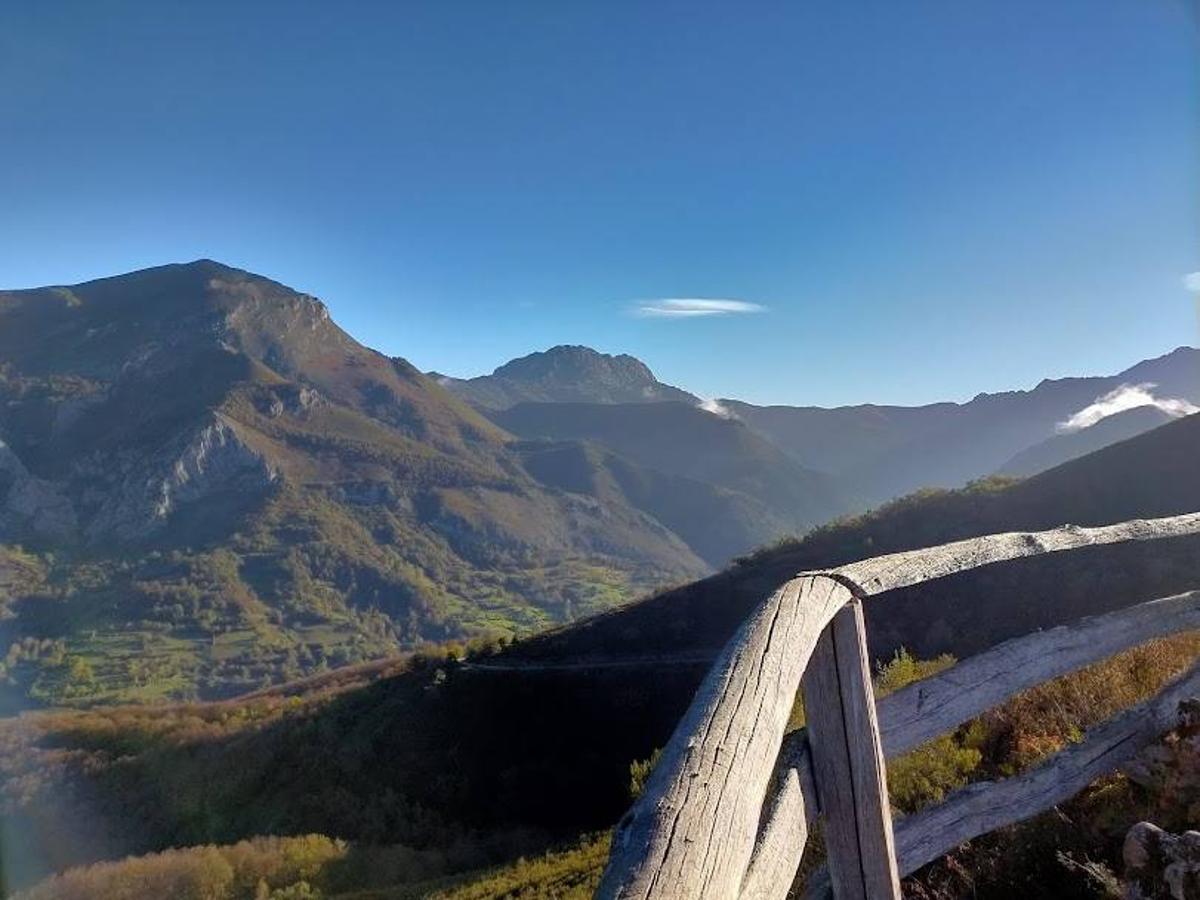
[(1125, 397), (690, 308)]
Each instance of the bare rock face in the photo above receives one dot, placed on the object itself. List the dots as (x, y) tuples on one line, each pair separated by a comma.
[(215, 459), (27, 500), (1160, 865), (290, 398)]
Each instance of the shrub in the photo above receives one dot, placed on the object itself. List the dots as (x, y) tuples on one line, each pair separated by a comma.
[(241, 871), (925, 776), (571, 874), (639, 773)]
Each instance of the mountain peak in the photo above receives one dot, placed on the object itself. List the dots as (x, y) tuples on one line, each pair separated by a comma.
[(175, 272), (567, 373), (565, 360), (178, 282), (207, 265), (96, 328)]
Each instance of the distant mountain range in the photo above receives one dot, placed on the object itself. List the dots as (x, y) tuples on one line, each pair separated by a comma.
[(879, 452), (868, 453), (1151, 475), (207, 486), (740, 467)]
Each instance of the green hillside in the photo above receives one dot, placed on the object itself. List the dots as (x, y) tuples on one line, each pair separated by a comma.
[(217, 489)]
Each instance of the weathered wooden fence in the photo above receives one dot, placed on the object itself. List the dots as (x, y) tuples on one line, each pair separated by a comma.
[(726, 812)]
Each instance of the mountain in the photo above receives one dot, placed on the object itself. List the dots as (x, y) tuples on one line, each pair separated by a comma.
[(500, 755), (880, 452), (1073, 444), (685, 441), (721, 487), (566, 374), (207, 486), (1154, 474), (224, 489), (871, 453), (715, 522)]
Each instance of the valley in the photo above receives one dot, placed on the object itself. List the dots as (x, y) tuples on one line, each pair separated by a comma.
[(207, 487), (443, 765)]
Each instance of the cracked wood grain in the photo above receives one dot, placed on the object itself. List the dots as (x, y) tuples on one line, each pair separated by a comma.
[(986, 806), (692, 832), (848, 762), (897, 570)]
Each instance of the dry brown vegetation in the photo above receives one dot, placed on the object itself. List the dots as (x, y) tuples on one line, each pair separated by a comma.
[(259, 869), (1010, 738), (1019, 860)]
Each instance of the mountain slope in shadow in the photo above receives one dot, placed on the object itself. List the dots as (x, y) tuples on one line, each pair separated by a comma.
[(1065, 447), (682, 440)]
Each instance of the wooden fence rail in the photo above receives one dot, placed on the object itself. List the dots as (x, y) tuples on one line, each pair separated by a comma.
[(699, 829)]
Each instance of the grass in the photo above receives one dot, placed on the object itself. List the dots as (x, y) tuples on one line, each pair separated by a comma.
[(572, 873)]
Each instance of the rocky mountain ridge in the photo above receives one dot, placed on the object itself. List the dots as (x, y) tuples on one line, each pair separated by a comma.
[(225, 483), (566, 374), (871, 452)]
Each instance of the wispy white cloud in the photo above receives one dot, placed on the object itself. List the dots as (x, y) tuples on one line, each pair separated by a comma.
[(1191, 282), (692, 307), (717, 408), (1126, 397)]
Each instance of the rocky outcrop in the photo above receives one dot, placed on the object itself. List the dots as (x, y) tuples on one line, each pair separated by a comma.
[(292, 398), (31, 503), (215, 459), (1160, 865)]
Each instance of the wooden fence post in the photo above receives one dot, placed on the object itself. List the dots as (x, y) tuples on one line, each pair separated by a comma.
[(699, 828), (848, 762), (691, 834)]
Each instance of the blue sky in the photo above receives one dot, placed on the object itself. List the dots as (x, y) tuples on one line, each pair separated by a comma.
[(914, 201)]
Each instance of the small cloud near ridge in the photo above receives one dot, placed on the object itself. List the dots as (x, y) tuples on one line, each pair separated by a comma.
[(1191, 282), (717, 408), (692, 307), (1123, 398)]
